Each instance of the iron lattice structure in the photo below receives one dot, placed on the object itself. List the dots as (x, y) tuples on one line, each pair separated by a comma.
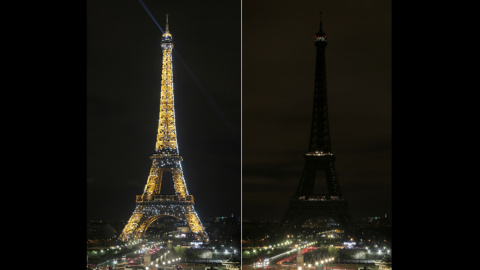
[(319, 161), (166, 159)]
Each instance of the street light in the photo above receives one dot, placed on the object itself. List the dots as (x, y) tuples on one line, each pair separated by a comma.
[(330, 261)]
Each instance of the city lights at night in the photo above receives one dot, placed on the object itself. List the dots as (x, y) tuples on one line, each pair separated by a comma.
[(228, 135)]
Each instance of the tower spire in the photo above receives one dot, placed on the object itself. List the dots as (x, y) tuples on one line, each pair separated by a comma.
[(320, 31), (167, 37), (166, 28)]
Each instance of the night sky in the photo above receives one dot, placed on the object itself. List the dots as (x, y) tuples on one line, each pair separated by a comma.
[(124, 59), (277, 92), (243, 101)]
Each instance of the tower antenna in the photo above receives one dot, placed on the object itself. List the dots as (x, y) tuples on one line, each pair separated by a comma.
[(167, 24)]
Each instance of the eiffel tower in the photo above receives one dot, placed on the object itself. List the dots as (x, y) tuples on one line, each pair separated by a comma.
[(166, 159), (307, 204)]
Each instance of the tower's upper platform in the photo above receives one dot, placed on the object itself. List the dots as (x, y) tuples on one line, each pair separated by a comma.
[(167, 37)]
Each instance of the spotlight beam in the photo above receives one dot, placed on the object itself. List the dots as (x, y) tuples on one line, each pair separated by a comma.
[(207, 95)]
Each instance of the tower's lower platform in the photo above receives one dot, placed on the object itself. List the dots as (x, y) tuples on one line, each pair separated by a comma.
[(152, 207), (331, 209)]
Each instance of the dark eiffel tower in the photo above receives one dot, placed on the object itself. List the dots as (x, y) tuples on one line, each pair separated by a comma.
[(329, 208)]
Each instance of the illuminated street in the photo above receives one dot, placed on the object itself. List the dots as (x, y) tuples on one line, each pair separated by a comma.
[(316, 248), (156, 256)]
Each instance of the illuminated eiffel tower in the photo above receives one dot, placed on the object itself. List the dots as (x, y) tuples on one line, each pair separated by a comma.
[(166, 159)]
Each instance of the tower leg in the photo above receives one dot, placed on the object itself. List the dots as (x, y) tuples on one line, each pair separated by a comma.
[(194, 223), (132, 224)]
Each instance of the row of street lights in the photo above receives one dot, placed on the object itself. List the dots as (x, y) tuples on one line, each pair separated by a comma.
[(322, 263), (163, 263)]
